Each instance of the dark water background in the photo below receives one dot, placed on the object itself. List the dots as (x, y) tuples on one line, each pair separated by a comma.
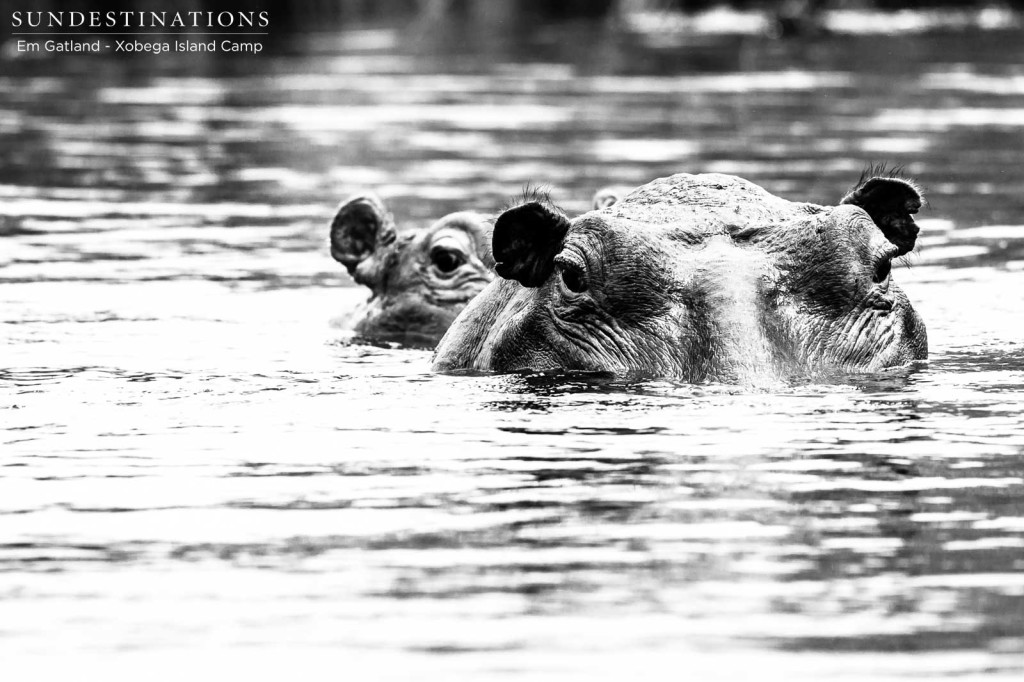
[(198, 470)]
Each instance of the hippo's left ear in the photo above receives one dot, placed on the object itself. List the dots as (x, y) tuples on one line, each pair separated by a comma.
[(525, 242), (890, 202), (361, 224)]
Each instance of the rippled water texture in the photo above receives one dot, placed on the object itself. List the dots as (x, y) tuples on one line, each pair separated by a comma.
[(198, 470)]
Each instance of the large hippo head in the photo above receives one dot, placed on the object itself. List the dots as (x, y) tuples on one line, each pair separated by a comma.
[(701, 278), (420, 279)]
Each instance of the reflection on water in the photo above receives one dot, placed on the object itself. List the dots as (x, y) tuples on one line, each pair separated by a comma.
[(193, 458)]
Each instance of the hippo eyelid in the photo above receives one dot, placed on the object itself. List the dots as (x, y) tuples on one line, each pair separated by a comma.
[(447, 259), (883, 268), (573, 279), (570, 258), (572, 271), (883, 258)]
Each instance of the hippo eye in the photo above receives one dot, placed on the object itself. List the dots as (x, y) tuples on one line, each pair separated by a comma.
[(573, 279), (882, 270), (446, 260)]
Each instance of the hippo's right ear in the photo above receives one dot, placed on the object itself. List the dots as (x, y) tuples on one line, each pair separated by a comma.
[(361, 224), (525, 242), (890, 201), (603, 198)]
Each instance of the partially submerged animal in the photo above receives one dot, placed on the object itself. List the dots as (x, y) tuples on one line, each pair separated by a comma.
[(700, 278), (420, 279)]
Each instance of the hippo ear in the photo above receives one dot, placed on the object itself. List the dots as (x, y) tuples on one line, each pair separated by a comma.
[(361, 224), (526, 239), (603, 198), (890, 202)]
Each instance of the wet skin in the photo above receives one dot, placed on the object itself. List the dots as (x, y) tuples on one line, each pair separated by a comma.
[(420, 279), (699, 278)]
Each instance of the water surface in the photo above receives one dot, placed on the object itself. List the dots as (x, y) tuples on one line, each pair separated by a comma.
[(198, 470)]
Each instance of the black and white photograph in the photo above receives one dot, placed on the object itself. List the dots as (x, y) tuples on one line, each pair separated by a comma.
[(494, 340)]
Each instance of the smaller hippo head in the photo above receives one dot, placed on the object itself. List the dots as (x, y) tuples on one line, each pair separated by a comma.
[(420, 279)]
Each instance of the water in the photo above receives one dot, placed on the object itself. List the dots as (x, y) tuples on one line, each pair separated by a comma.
[(199, 472)]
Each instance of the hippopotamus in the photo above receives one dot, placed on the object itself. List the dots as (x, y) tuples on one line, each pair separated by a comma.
[(699, 278), (420, 279)]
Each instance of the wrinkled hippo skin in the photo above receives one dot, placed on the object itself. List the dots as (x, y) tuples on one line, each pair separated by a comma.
[(703, 278), (420, 279)]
